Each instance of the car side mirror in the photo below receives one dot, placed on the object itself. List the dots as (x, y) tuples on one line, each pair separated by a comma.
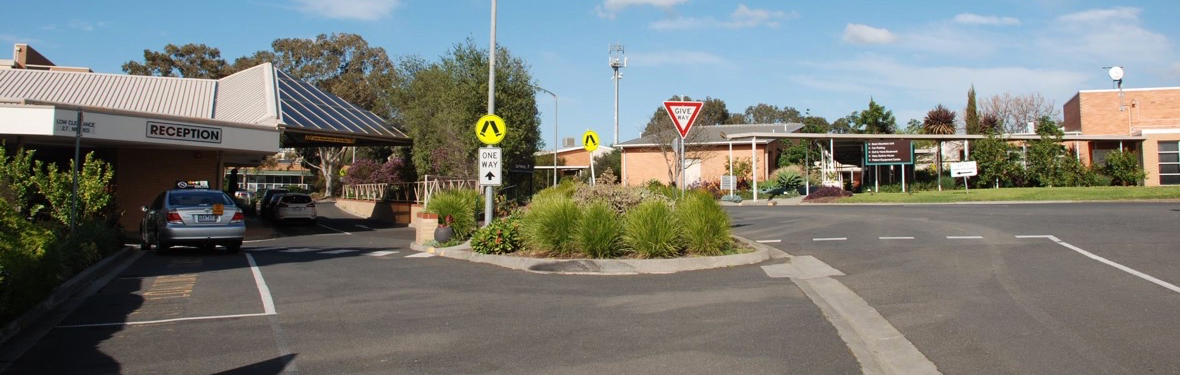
[(143, 208)]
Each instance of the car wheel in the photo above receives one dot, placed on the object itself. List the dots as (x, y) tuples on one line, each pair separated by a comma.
[(161, 246), (234, 247)]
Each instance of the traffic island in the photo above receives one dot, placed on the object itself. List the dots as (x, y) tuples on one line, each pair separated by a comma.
[(603, 266)]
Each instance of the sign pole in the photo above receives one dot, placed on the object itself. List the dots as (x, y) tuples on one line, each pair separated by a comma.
[(487, 205), (903, 178), (77, 162), (966, 188)]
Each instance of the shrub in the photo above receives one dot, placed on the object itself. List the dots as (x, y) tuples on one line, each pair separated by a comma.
[(651, 230), (599, 232), (732, 198), (566, 189), (704, 223), (460, 205), (667, 191), (502, 236), (788, 178), (1123, 168), (618, 198), (550, 223), (828, 192)]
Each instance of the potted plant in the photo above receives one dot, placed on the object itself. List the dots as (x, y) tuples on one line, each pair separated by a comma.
[(444, 232)]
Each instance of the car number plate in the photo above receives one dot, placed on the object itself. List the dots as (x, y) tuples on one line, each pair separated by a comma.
[(206, 218), (296, 208)]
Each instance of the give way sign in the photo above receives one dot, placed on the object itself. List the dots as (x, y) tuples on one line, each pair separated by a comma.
[(683, 114)]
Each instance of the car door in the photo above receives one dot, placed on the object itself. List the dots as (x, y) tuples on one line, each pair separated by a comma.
[(151, 218)]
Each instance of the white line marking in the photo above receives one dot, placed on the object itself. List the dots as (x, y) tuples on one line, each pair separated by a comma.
[(252, 241), (381, 253), (325, 226), (1116, 265), (420, 255), (302, 250), (768, 241), (341, 251), (830, 239), (268, 304), (895, 238), (1036, 236), (363, 227), (263, 248), (964, 237), (164, 321)]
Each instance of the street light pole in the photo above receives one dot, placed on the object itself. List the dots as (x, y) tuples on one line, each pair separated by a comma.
[(555, 140), (617, 61)]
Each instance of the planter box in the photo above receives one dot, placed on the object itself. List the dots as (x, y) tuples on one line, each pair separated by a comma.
[(424, 227)]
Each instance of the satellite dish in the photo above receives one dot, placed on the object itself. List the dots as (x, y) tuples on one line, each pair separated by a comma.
[(1116, 73)]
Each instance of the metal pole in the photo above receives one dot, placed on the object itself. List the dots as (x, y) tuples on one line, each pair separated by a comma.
[(903, 178), (754, 165), (807, 169), (732, 178), (616, 106), (682, 167), (77, 162), (487, 205), (876, 178)]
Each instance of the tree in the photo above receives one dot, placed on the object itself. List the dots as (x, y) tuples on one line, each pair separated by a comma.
[(971, 115), (877, 120), (939, 120), (1015, 111), (762, 113), (612, 162), (913, 127), (997, 163), (990, 124), (1045, 155), (815, 125), (439, 103), (713, 112), (847, 124), (188, 61)]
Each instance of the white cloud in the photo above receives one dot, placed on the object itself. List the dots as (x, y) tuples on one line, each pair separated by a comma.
[(364, 10), (1174, 70), (1112, 36), (856, 33), (677, 57), (610, 8), (86, 26), (975, 19), (742, 17)]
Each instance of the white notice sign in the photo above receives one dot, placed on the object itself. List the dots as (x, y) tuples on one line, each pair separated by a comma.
[(490, 166), (964, 169)]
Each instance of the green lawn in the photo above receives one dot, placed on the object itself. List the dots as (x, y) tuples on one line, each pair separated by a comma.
[(1105, 193)]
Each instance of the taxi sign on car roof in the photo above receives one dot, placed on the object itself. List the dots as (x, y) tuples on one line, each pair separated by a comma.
[(192, 184)]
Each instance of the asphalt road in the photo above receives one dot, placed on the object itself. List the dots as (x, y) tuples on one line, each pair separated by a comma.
[(975, 299), (347, 296)]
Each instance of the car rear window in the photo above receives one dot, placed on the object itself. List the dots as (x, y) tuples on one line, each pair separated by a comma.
[(296, 199), (198, 198)]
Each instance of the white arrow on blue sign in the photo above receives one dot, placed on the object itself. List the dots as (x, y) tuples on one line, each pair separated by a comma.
[(490, 166)]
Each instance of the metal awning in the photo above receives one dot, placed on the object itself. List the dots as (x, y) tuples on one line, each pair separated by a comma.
[(313, 117)]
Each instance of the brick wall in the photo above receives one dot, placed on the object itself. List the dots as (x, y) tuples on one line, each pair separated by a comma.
[(1099, 113), (141, 174), (643, 164)]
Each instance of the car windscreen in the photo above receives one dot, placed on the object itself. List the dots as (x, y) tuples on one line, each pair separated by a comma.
[(296, 199), (198, 198)]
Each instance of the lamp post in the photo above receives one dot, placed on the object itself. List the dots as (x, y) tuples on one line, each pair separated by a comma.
[(555, 141)]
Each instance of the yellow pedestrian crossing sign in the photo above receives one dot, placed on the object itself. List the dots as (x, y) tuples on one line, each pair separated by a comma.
[(490, 129), (590, 140)]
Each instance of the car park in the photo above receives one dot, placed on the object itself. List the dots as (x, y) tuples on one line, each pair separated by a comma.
[(293, 206), (193, 217)]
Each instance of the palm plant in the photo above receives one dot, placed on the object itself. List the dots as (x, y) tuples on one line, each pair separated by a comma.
[(939, 120)]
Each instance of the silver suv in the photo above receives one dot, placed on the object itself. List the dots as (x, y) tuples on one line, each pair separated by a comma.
[(196, 217)]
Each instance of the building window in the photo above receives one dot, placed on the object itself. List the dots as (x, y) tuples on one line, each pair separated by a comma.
[(1169, 163)]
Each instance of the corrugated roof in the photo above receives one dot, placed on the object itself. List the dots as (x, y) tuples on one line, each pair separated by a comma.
[(302, 105), (161, 95), (712, 133), (247, 97)]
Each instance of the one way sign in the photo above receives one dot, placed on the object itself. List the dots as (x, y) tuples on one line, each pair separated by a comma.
[(490, 167)]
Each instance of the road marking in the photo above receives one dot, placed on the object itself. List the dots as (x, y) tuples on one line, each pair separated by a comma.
[(325, 226), (1036, 236), (341, 251), (1108, 262), (895, 238), (263, 248), (265, 239), (163, 321), (830, 239), (268, 303), (420, 255), (769, 241), (964, 237), (300, 250), (381, 253), (363, 227)]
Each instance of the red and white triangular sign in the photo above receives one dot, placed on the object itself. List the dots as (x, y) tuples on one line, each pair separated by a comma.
[(683, 114)]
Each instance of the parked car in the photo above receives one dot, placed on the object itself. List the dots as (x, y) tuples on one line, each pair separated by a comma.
[(195, 217), (245, 201), (294, 206), (267, 198)]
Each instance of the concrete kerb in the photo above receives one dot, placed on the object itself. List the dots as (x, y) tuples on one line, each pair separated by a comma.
[(607, 266), (63, 293)]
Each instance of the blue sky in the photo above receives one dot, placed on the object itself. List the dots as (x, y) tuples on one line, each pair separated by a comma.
[(828, 57)]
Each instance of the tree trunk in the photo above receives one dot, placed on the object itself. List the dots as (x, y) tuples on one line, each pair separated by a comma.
[(939, 159)]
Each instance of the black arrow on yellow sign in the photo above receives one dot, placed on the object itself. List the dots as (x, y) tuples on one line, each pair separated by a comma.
[(589, 141), (483, 132)]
